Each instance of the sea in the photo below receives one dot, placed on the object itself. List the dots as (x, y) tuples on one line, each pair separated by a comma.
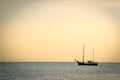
[(58, 71)]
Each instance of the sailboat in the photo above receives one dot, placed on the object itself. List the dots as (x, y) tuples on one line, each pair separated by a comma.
[(89, 63)]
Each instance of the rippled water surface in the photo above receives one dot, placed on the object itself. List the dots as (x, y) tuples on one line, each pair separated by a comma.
[(58, 71)]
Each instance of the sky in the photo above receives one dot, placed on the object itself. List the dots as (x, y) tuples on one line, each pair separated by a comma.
[(55, 30)]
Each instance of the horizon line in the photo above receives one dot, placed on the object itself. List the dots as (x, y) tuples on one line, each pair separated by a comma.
[(51, 61)]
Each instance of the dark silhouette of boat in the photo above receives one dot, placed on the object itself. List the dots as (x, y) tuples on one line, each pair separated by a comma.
[(89, 63)]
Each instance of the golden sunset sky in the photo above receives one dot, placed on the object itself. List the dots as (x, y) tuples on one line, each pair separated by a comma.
[(55, 30)]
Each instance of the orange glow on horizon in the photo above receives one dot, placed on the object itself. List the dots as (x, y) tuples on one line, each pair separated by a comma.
[(56, 30)]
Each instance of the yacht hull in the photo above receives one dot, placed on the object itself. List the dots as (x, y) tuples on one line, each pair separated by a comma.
[(87, 64)]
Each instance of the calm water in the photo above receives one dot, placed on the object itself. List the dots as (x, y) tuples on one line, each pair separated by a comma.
[(59, 71)]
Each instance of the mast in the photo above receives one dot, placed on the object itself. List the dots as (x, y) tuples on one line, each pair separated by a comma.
[(93, 55), (83, 52)]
